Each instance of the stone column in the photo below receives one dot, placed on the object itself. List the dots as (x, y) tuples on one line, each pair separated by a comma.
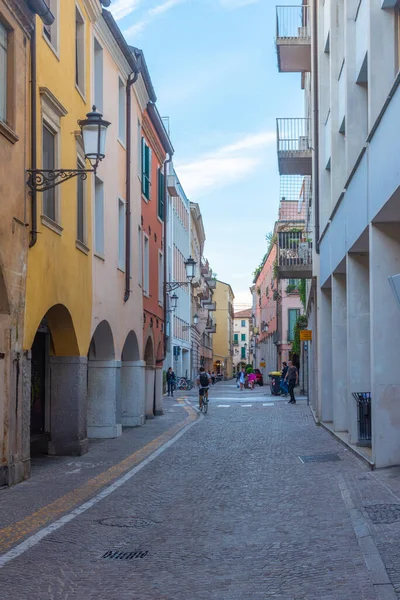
[(159, 392), (68, 399), (102, 399), (340, 399), (133, 393), (149, 392), (385, 344), (358, 334), (325, 411)]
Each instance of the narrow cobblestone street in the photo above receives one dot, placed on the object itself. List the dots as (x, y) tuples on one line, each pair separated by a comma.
[(228, 511)]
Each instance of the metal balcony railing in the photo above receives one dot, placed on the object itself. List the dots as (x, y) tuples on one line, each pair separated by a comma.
[(294, 249), (293, 22), (293, 135)]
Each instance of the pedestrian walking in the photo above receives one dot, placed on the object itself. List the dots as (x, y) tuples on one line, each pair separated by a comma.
[(292, 377), (252, 378), (170, 381), (283, 386), (242, 379), (213, 377)]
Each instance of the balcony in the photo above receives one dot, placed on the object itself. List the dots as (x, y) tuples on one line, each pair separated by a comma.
[(172, 185), (294, 255), (212, 329), (212, 283), (294, 146), (210, 306), (293, 38)]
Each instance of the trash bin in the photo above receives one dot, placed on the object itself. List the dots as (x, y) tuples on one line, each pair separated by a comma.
[(363, 400), (275, 382)]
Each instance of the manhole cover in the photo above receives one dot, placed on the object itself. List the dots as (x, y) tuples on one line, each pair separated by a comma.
[(126, 522), (383, 514), (124, 555), (319, 458)]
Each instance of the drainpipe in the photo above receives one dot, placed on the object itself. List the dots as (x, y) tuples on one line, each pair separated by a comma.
[(131, 81), (314, 70), (40, 7), (169, 160), (33, 193)]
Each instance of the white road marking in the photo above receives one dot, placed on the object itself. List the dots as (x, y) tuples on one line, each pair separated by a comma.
[(37, 537), (223, 405), (245, 405), (269, 404)]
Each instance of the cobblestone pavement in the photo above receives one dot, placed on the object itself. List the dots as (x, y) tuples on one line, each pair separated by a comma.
[(227, 512)]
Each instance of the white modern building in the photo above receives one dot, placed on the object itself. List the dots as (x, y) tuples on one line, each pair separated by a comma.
[(178, 251), (348, 54)]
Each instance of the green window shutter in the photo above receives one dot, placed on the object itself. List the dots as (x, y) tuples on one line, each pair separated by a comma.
[(149, 172), (161, 194), (243, 337), (243, 352), (143, 163), (236, 337)]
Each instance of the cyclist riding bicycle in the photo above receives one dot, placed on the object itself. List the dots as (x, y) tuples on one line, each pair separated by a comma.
[(203, 383)]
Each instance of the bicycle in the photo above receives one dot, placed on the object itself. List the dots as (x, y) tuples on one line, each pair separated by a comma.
[(204, 406), (184, 384)]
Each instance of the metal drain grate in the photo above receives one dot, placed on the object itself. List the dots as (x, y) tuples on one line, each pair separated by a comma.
[(383, 514), (120, 555), (126, 522), (312, 458)]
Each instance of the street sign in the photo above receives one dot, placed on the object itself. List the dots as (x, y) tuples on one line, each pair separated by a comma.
[(305, 335), (262, 364)]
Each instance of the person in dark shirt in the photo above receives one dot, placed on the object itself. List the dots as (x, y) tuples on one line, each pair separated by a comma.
[(170, 381), (292, 377), (284, 387)]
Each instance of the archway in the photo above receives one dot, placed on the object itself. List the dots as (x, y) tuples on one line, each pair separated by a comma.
[(102, 385), (132, 391), (149, 360), (58, 387)]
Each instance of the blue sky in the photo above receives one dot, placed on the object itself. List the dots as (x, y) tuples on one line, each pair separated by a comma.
[(213, 66)]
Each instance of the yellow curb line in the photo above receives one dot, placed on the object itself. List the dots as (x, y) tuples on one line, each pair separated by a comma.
[(12, 534)]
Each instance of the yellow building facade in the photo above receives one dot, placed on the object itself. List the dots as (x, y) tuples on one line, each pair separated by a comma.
[(223, 338), (59, 275)]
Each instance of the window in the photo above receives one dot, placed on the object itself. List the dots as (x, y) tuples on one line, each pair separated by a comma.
[(243, 337), (50, 32), (161, 194), (243, 324), (293, 313), (48, 161), (99, 217), (146, 264), (79, 51), (81, 237), (121, 234), (3, 72), (160, 278), (146, 169), (235, 338), (98, 76), (121, 111), (243, 352), (140, 256)]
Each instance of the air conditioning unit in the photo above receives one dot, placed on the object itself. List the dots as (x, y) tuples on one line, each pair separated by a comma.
[(303, 143)]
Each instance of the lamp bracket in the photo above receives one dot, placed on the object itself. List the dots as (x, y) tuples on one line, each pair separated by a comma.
[(40, 180), (170, 286)]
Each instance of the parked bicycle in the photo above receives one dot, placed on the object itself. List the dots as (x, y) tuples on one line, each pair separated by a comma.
[(184, 383)]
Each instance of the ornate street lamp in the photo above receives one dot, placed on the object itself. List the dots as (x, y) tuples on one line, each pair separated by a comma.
[(190, 265), (173, 301), (93, 131)]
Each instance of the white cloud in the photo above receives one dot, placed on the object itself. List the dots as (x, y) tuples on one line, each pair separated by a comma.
[(225, 165), (231, 4), (123, 8), (150, 16)]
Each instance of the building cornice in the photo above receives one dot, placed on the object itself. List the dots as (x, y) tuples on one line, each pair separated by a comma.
[(93, 9), (153, 139), (104, 34)]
